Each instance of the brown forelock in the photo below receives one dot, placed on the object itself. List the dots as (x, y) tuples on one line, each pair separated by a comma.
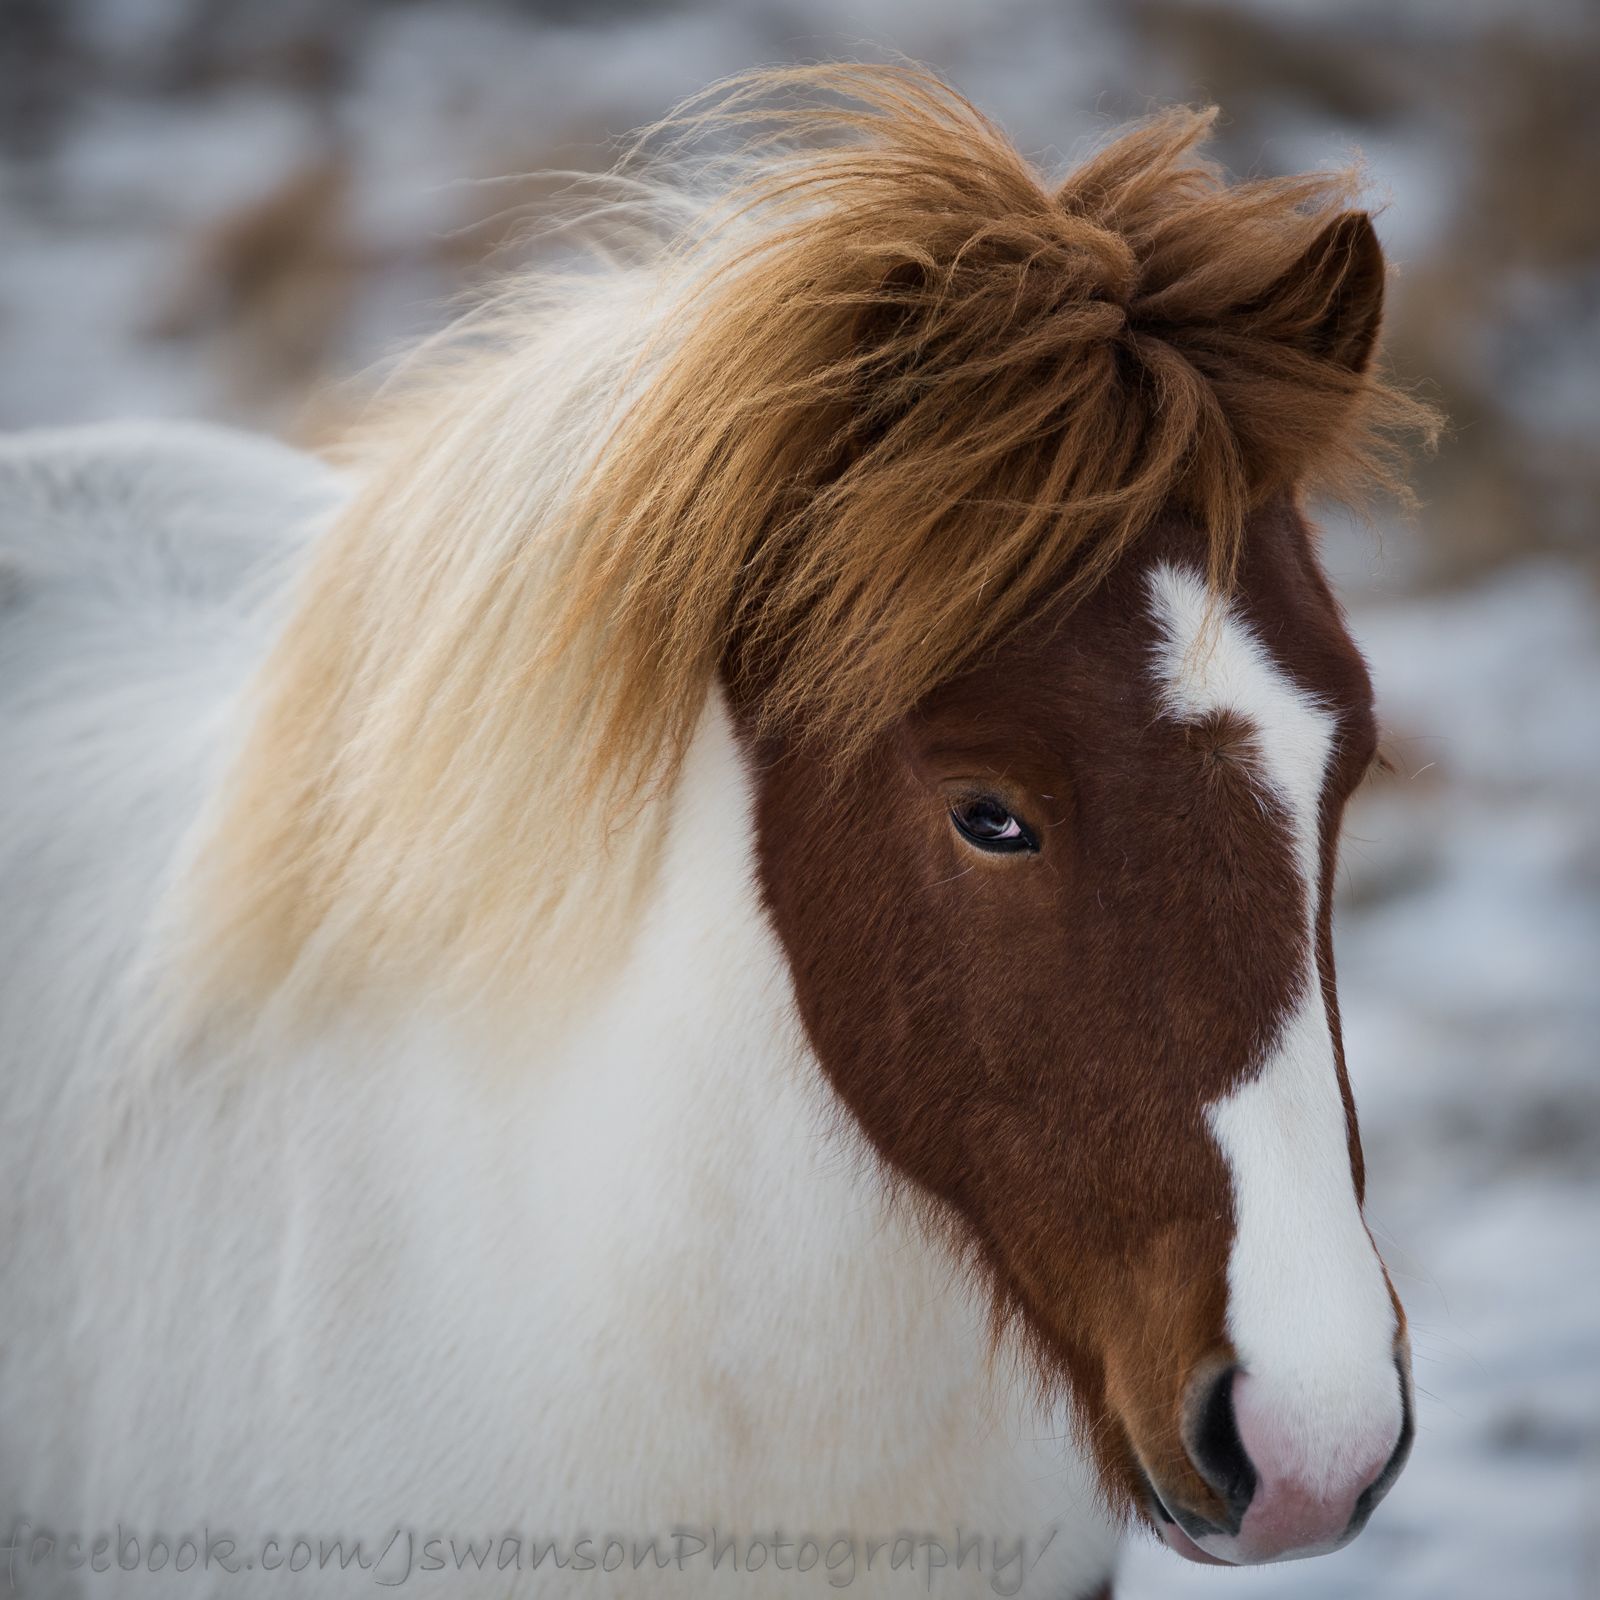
[(920, 385), (883, 394), (1030, 1041)]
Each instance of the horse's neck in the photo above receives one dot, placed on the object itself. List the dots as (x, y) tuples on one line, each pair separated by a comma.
[(692, 1051)]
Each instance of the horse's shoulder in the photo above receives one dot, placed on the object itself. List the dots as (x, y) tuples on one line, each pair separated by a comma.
[(139, 508)]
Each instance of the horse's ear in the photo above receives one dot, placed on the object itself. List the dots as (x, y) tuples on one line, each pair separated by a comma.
[(1331, 300)]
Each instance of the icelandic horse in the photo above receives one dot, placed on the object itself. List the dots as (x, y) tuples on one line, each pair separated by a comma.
[(724, 933)]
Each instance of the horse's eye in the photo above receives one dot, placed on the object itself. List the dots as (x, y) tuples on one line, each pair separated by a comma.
[(985, 822)]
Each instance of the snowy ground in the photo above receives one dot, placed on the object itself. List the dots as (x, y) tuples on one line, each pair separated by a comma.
[(1469, 937)]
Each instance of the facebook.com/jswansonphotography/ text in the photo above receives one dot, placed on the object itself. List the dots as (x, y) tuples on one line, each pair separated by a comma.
[(394, 1558)]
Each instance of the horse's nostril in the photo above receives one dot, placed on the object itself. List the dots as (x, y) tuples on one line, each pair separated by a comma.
[(1211, 1436)]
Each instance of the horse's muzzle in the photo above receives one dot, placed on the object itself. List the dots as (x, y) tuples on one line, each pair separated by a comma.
[(1273, 1509)]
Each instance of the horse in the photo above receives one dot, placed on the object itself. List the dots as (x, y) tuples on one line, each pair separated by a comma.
[(711, 953)]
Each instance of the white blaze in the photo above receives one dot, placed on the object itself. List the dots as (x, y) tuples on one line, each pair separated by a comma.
[(1308, 1309)]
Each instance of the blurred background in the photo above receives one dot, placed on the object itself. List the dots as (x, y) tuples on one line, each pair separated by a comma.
[(231, 208)]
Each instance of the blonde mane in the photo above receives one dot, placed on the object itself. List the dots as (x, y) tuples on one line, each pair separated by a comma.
[(854, 399)]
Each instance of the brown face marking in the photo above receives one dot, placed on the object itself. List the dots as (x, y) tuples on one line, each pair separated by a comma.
[(1032, 1039)]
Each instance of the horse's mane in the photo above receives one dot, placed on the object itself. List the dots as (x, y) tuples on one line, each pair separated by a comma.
[(855, 397)]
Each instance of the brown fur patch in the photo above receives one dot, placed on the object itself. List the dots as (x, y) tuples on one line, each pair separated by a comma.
[(1032, 1040)]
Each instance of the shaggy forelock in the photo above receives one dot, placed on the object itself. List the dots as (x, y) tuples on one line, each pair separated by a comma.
[(882, 391), (921, 386)]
